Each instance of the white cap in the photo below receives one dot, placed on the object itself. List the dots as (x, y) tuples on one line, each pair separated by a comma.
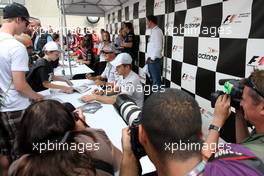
[(122, 58), (51, 46)]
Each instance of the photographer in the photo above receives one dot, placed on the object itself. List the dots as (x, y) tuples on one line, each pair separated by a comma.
[(170, 133), (252, 111), (168, 118)]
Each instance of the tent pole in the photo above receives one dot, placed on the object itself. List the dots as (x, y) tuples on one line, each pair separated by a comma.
[(61, 37), (67, 41), (63, 32)]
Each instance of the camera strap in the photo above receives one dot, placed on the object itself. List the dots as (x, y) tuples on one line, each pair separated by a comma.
[(198, 169)]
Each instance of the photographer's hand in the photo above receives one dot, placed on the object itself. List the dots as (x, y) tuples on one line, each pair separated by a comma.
[(222, 110), (221, 113), (129, 163)]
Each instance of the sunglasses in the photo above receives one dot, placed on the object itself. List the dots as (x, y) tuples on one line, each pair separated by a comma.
[(249, 82), (26, 20), (29, 47), (105, 53)]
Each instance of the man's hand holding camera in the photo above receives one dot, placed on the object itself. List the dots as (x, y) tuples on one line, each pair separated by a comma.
[(222, 110), (129, 164)]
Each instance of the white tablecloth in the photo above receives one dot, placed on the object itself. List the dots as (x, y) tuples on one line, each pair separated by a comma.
[(106, 118), (76, 69)]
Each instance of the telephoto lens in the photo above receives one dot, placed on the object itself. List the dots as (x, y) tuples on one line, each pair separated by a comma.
[(131, 114)]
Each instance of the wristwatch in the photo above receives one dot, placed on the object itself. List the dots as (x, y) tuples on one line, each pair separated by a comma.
[(213, 127)]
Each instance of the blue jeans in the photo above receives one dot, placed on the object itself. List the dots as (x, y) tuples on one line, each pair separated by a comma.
[(155, 72)]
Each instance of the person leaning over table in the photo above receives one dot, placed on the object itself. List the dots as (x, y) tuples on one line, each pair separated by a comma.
[(42, 72), (128, 83)]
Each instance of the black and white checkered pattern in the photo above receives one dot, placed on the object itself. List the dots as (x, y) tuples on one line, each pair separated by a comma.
[(195, 61)]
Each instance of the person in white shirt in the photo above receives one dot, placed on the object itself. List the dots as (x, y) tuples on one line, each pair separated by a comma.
[(128, 83), (109, 75), (154, 49), (15, 91)]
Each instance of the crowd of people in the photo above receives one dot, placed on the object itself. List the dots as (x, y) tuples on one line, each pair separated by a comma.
[(169, 119)]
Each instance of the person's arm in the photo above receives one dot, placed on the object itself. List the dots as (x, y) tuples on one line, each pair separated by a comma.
[(99, 82), (129, 163), (221, 113), (100, 98), (241, 127), (62, 78), (110, 84), (117, 155), (22, 86), (127, 44), (19, 65), (93, 78), (65, 89)]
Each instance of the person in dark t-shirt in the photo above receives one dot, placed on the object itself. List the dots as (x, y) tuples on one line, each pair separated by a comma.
[(129, 42), (41, 73)]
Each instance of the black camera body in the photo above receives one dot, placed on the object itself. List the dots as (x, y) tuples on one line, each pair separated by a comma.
[(131, 114), (232, 87)]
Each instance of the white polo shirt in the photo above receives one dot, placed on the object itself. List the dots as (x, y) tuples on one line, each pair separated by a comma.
[(110, 73), (14, 57), (132, 86), (155, 44)]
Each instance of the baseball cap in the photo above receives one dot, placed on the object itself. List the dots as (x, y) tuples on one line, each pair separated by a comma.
[(52, 46), (15, 10), (122, 58)]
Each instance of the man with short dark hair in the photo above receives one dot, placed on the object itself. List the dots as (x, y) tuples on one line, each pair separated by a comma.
[(128, 83), (14, 88), (170, 133), (154, 49), (168, 119)]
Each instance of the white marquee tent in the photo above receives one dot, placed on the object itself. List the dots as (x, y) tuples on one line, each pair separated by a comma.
[(89, 7)]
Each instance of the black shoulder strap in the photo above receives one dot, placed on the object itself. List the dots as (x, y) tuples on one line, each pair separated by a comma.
[(104, 166)]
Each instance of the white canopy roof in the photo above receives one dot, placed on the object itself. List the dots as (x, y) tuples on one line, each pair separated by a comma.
[(90, 7)]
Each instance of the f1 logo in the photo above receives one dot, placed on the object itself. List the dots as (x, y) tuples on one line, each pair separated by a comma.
[(229, 19), (185, 76), (256, 61)]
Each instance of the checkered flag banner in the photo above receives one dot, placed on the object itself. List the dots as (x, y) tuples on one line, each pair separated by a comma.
[(204, 41)]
